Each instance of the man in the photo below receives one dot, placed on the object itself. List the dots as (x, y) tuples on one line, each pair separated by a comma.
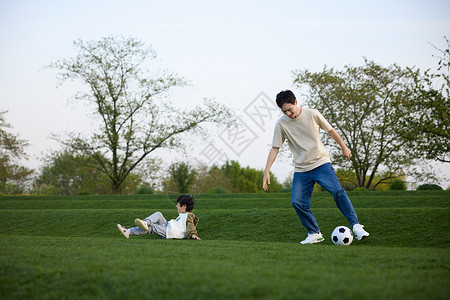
[(301, 126)]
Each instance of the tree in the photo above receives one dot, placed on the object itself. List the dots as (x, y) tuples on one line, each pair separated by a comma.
[(151, 174), (230, 177), (428, 127), (211, 180), (13, 176), (183, 175), (65, 173), (247, 180), (366, 105), (349, 182), (122, 97)]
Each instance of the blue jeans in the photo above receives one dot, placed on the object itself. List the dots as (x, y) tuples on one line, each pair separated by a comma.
[(302, 189)]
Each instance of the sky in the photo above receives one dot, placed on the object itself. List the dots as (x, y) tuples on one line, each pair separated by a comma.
[(239, 53)]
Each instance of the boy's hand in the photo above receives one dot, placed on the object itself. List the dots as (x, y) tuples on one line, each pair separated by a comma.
[(346, 153), (266, 181), (195, 237)]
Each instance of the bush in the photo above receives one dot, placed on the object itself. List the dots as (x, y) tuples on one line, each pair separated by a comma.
[(12, 189), (285, 190), (145, 188), (397, 185), (348, 186), (217, 190), (428, 187)]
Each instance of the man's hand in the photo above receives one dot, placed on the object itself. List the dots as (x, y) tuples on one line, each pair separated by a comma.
[(346, 153), (266, 181), (270, 159)]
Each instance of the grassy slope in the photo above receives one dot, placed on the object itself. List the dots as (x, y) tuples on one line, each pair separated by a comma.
[(65, 247)]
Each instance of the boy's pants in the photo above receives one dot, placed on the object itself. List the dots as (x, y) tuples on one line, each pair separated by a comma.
[(302, 189), (156, 225)]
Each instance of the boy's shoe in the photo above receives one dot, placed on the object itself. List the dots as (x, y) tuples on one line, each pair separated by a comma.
[(141, 224), (359, 232), (313, 238), (125, 231)]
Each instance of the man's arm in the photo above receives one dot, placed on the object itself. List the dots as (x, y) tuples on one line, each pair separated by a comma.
[(345, 151), (270, 159)]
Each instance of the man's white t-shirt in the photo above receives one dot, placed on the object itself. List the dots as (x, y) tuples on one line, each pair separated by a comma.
[(176, 228), (303, 136)]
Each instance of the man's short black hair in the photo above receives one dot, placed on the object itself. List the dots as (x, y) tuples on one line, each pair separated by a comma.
[(286, 96), (187, 200)]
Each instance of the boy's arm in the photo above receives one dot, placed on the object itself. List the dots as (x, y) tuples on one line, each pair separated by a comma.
[(191, 228), (270, 159), (345, 151)]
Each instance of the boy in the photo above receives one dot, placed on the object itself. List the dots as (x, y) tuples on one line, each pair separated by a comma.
[(182, 227), (300, 126)]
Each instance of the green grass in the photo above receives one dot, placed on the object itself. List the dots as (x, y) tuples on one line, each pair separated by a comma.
[(69, 247)]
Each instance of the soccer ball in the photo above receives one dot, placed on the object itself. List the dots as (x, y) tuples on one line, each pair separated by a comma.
[(342, 236)]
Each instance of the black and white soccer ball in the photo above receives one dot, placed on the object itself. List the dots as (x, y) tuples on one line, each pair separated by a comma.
[(342, 236)]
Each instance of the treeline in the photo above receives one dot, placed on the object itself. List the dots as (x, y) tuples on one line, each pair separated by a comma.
[(394, 120), (65, 173), (68, 174)]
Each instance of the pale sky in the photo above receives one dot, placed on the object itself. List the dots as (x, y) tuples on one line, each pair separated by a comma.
[(229, 50)]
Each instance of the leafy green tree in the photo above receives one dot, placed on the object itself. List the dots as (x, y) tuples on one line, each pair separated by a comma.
[(212, 180), (121, 95), (151, 174), (247, 180), (366, 105), (427, 128), (183, 175), (347, 178), (13, 176), (65, 173)]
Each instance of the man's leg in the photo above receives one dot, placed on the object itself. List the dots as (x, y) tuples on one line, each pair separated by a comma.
[(302, 189), (326, 177)]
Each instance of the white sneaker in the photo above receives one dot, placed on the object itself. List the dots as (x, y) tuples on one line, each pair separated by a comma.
[(359, 232), (125, 231), (313, 238), (141, 224)]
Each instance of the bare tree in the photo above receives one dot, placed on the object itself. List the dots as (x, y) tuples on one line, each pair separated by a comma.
[(122, 96)]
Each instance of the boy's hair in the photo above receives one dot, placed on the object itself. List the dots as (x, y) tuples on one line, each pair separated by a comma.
[(187, 200), (286, 96)]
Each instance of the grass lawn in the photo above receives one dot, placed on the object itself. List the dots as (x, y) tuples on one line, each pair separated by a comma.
[(70, 248)]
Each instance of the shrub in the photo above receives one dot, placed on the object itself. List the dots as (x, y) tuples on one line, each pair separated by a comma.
[(348, 186), (397, 185), (429, 186), (217, 190), (145, 188)]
